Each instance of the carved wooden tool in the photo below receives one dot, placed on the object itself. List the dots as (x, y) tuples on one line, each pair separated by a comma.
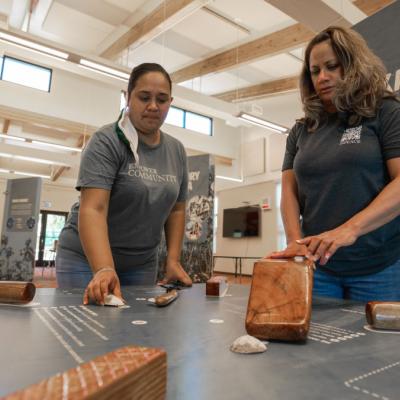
[(216, 286), (383, 314), (126, 373), (280, 299), (15, 292), (166, 298)]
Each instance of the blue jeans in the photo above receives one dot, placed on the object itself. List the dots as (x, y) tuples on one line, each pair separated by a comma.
[(381, 286), (76, 273)]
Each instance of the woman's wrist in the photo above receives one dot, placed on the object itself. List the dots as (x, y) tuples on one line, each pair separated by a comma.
[(104, 269)]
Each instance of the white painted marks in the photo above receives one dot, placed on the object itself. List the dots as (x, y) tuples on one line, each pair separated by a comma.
[(329, 334), (70, 325), (216, 321), (359, 383)]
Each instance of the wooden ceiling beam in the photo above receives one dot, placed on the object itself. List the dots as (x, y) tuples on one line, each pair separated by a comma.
[(265, 89), (166, 15), (46, 121), (370, 7), (274, 43), (56, 173), (6, 126)]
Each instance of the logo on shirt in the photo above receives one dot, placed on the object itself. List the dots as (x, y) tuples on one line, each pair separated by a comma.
[(149, 174), (351, 135)]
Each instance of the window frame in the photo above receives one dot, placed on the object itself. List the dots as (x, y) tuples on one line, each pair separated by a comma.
[(28, 63), (211, 133)]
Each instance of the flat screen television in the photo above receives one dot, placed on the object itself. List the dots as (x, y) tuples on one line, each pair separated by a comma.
[(241, 222)]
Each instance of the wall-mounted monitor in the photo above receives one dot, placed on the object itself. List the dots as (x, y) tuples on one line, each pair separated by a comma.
[(241, 222)]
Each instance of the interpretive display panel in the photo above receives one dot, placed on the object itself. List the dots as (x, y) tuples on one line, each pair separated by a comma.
[(19, 230)]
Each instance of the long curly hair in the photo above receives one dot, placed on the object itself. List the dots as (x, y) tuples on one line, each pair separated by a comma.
[(362, 88)]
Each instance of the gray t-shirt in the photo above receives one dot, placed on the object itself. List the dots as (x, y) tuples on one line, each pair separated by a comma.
[(142, 195), (339, 170)]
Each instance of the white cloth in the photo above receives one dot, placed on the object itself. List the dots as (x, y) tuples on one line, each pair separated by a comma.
[(130, 133)]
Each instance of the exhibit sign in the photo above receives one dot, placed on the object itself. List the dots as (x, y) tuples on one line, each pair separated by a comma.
[(381, 31), (197, 246), (19, 230)]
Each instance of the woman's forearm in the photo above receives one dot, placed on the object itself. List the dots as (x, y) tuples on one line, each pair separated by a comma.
[(93, 231), (384, 208), (174, 229)]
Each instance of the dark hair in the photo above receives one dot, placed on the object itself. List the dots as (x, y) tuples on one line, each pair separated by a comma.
[(143, 69), (363, 86)]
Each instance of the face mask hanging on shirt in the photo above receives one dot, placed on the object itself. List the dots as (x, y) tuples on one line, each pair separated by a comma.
[(130, 133)]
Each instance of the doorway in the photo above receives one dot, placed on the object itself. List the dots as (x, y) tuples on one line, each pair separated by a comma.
[(49, 229)]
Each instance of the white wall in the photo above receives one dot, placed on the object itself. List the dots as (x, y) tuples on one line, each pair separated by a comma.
[(71, 97), (247, 247)]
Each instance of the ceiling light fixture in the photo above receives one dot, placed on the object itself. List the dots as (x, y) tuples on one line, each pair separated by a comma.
[(103, 69), (30, 45), (261, 122), (55, 145), (32, 159), (9, 171), (227, 178), (11, 137)]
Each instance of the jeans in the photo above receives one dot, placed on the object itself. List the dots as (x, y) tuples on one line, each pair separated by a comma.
[(381, 286), (76, 273)]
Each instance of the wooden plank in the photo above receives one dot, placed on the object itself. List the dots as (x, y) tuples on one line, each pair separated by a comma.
[(265, 89), (370, 7), (45, 120), (58, 172), (223, 160), (6, 126), (274, 43), (168, 13)]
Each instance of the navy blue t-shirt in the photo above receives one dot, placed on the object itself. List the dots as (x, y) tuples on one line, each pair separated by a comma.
[(339, 171)]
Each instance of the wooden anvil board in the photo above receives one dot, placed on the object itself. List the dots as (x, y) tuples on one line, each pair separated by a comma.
[(280, 300)]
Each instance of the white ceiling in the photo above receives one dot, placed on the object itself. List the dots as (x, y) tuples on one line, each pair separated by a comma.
[(91, 26)]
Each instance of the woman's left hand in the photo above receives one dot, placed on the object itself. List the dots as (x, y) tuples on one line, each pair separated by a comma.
[(175, 272), (321, 247)]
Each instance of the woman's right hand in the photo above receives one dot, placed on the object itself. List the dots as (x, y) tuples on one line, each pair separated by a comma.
[(103, 282), (293, 249)]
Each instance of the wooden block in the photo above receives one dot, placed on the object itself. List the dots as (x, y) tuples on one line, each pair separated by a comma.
[(280, 299), (126, 373), (216, 286), (383, 314), (15, 292)]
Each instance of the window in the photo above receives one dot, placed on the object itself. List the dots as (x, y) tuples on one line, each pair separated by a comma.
[(1, 65), (176, 116), (189, 120), (27, 74), (198, 123)]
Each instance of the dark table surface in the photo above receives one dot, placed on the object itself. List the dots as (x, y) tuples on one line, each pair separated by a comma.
[(340, 360)]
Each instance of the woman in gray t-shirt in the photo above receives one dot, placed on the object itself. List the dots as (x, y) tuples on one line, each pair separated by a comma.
[(133, 182), (341, 172)]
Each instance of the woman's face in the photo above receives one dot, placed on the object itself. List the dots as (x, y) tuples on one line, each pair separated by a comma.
[(149, 102), (325, 71)]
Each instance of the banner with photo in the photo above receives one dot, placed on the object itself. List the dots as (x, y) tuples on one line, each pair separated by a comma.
[(197, 246), (382, 31), (19, 231)]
